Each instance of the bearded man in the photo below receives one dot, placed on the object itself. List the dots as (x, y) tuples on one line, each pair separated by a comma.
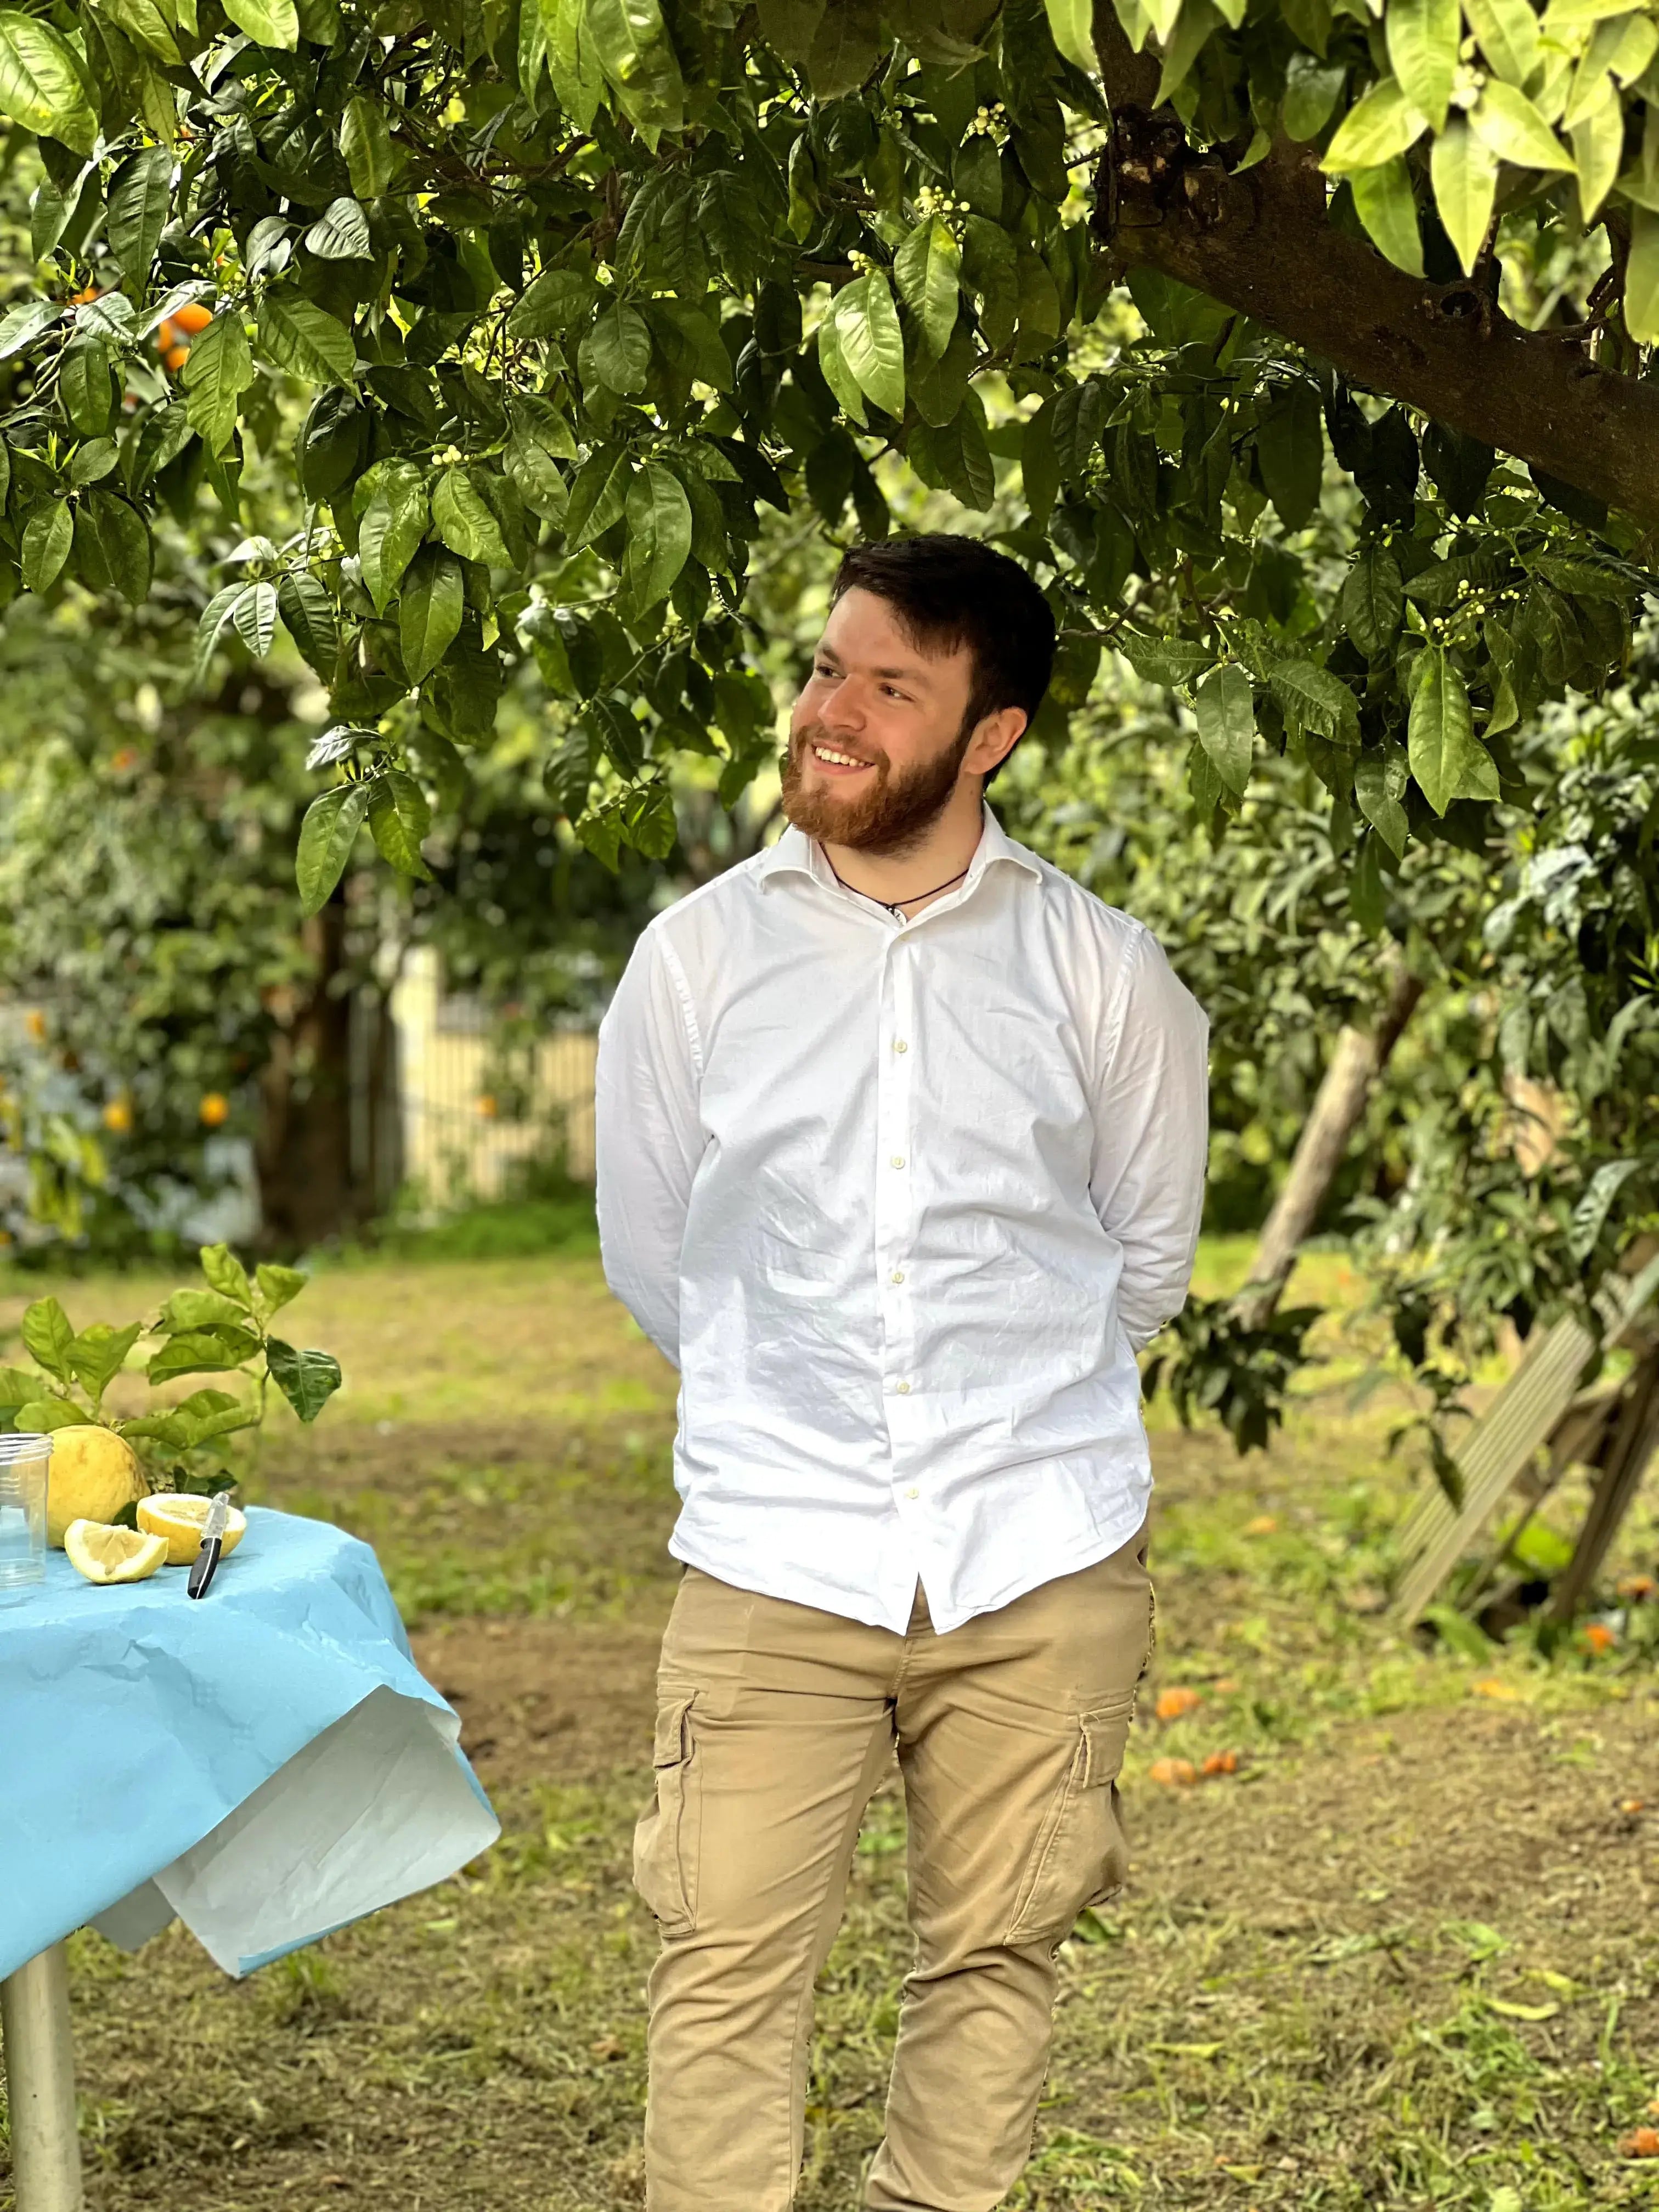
[(902, 1147)]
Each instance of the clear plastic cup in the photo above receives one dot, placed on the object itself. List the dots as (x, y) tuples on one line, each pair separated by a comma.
[(24, 1465)]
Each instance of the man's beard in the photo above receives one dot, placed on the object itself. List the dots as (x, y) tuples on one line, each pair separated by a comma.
[(888, 815)]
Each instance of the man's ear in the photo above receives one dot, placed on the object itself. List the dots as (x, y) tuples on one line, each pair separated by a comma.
[(994, 739)]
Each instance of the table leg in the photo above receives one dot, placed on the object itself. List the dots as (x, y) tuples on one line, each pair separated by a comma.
[(34, 2020)]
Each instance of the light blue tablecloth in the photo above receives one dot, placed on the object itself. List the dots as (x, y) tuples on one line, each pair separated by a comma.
[(267, 1761)]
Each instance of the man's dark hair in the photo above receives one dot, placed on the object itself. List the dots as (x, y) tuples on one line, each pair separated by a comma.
[(951, 591)]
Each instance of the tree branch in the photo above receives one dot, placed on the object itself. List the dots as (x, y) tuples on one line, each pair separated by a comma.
[(1262, 242)]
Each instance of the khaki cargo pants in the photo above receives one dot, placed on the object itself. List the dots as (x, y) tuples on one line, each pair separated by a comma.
[(774, 1724)]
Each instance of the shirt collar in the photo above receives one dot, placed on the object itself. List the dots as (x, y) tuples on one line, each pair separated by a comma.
[(796, 854)]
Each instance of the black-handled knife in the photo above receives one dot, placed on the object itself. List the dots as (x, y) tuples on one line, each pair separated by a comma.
[(206, 1562)]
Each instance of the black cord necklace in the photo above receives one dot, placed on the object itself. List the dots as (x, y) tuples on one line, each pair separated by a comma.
[(895, 906)]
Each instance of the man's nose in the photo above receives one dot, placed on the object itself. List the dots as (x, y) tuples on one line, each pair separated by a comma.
[(842, 709)]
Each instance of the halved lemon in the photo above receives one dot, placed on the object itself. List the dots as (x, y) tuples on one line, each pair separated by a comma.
[(104, 1554), (179, 1517)]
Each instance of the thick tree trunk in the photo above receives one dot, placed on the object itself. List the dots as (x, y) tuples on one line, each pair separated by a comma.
[(1359, 1058), (306, 1189), (1262, 242)]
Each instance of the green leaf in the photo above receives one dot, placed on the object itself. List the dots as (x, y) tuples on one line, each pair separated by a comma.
[(99, 1352), (1464, 171), (267, 22), (47, 1337), (598, 495), (429, 611), (1422, 39), (1598, 147), (1642, 277), (846, 50), (954, 457), (42, 1415), (279, 1286), (1377, 127), (20, 325), (1373, 600), (253, 617), (202, 1352), (304, 604), (633, 49), (837, 375), (146, 25), (1226, 723), (219, 370), (112, 547), (871, 344), (340, 233), (327, 837), (393, 524), (1504, 119), (193, 1309), (1290, 444), (83, 385), (616, 351), (1313, 699), (1385, 202), (1165, 661), (18, 1385), (306, 1379), (462, 519), (1312, 88), (1447, 758), (296, 334), (47, 536), (1197, 19), (140, 200), (659, 515), (1508, 32), (371, 159), (928, 269), (572, 61), (226, 1274), (554, 304), (1379, 785), (398, 818), (41, 87), (1071, 25)]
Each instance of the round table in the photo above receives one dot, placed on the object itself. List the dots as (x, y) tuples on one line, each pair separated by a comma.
[(266, 1764)]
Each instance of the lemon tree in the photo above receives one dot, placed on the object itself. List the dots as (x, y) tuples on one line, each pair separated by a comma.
[(222, 1327)]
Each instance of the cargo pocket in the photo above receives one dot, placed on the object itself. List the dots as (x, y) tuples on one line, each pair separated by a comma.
[(664, 1838), (1079, 1857)]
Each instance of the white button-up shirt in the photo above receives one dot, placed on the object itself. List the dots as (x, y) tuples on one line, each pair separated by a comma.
[(901, 1199)]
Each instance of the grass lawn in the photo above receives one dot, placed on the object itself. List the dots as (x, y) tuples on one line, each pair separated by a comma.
[(1404, 1957)]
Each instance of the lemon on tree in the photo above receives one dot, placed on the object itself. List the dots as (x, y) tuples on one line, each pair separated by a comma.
[(179, 1517), (94, 1475), (104, 1554)]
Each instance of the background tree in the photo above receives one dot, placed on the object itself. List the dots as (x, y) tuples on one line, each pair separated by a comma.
[(581, 287)]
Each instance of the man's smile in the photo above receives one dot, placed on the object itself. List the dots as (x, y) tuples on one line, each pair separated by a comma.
[(837, 763)]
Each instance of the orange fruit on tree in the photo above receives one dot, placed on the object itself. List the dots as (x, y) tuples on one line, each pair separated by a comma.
[(191, 317), (117, 1117), (1600, 1637), (165, 336), (1173, 1704), (176, 356), (214, 1110)]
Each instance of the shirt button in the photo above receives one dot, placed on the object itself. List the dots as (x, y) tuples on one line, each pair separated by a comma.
[(898, 1159), (912, 1492), (904, 1389), (900, 1046), (898, 1274)]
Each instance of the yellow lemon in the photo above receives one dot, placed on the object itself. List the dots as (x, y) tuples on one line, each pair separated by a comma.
[(178, 1518), (94, 1474), (113, 1555)]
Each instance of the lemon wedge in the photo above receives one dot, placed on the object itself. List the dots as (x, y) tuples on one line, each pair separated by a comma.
[(178, 1516), (104, 1554)]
